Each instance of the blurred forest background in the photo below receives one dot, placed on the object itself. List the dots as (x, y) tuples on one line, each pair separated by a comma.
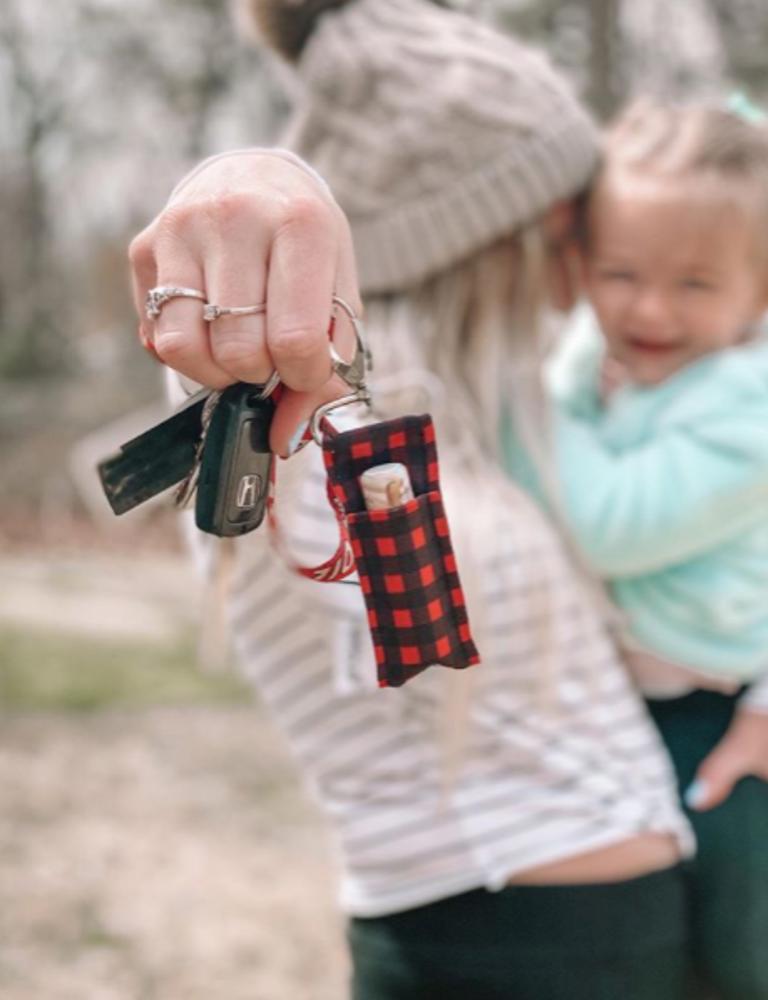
[(103, 105), (154, 841)]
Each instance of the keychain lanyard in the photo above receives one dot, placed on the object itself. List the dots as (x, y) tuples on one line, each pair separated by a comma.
[(342, 563)]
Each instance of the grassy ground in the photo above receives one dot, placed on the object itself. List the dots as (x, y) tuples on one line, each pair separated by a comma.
[(155, 843), (51, 671), (40, 670)]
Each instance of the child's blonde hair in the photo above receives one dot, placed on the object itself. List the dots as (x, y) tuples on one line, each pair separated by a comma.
[(699, 141)]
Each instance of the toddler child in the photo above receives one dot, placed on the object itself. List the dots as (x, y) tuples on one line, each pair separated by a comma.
[(664, 480), (662, 477)]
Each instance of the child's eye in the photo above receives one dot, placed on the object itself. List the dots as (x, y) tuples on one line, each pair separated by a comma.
[(697, 284), (617, 275)]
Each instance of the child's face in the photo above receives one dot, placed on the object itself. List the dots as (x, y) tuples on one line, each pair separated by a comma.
[(672, 272)]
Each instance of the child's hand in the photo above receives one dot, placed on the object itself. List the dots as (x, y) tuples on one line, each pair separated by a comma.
[(613, 375), (741, 752)]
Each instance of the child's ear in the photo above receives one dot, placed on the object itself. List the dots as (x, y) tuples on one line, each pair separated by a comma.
[(560, 220), (763, 304), (565, 268)]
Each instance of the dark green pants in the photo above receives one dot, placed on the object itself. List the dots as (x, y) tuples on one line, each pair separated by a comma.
[(624, 941), (728, 880)]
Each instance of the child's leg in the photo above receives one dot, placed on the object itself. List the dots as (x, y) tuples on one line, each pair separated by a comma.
[(729, 877), (616, 941)]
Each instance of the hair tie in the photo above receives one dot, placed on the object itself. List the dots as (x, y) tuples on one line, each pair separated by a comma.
[(740, 105)]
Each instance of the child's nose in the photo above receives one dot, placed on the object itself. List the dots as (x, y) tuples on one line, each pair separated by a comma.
[(650, 308)]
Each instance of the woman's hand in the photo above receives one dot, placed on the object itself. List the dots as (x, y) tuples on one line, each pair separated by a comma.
[(741, 752), (246, 229)]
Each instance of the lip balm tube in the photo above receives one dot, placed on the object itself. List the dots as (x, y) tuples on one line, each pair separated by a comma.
[(386, 486)]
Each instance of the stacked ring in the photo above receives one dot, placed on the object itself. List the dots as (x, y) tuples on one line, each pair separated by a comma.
[(212, 312), (157, 297)]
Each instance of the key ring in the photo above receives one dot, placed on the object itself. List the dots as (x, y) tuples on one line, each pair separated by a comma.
[(352, 372)]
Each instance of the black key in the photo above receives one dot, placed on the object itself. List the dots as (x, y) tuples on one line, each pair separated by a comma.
[(155, 460)]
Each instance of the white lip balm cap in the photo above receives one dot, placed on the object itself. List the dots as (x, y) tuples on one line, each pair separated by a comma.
[(386, 486)]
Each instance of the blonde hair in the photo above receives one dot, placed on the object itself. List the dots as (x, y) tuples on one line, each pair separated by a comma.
[(451, 336), (464, 345), (697, 141)]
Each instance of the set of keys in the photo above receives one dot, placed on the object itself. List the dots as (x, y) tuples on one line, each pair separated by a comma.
[(217, 447)]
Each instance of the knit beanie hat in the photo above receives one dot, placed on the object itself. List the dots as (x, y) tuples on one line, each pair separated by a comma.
[(437, 134)]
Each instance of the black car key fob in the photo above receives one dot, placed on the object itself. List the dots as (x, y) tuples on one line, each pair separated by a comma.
[(236, 463)]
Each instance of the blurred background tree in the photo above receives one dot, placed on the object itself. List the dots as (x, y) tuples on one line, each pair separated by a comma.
[(103, 105)]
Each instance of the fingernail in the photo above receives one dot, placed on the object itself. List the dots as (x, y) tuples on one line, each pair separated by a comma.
[(297, 443), (696, 794), (146, 343)]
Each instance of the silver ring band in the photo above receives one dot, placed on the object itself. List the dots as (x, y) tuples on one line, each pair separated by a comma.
[(212, 311), (158, 296)]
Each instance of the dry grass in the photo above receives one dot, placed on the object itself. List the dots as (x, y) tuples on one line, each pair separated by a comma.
[(164, 854)]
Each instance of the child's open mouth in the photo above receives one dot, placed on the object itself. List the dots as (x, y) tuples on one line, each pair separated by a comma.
[(652, 346)]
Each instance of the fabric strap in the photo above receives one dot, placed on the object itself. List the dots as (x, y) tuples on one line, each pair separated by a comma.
[(342, 563)]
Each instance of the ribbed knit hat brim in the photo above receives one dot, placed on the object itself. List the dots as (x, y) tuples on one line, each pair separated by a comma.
[(437, 134)]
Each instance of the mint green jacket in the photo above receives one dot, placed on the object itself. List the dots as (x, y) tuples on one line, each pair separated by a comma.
[(666, 492)]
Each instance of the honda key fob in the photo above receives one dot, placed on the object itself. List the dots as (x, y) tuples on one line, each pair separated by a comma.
[(236, 463)]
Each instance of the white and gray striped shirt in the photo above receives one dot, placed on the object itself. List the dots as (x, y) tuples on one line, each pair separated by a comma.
[(557, 755)]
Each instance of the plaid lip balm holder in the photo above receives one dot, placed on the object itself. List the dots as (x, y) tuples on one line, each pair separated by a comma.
[(404, 558)]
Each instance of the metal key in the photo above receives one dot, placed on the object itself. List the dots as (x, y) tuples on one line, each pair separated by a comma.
[(218, 443), (155, 460)]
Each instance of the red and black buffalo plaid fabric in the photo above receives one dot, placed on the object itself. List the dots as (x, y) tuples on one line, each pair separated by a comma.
[(404, 557)]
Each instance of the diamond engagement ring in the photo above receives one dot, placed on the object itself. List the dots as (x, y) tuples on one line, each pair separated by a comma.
[(212, 312), (157, 297)]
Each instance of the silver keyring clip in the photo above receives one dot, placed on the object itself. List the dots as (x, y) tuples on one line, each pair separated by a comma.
[(352, 372)]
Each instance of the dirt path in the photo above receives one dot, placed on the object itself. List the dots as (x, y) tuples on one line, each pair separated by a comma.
[(154, 854), (145, 596), (161, 855)]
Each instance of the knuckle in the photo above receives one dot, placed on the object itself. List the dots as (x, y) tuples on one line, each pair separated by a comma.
[(174, 348), (227, 210), (176, 221), (234, 352), (219, 218), (140, 250), (300, 344), (309, 213)]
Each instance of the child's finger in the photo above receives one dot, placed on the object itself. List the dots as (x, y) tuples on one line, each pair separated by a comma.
[(715, 778)]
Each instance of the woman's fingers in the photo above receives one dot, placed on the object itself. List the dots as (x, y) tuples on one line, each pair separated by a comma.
[(237, 343), (296, 408), (180, 336), (160, 256), (302, 280), (143, 277)]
